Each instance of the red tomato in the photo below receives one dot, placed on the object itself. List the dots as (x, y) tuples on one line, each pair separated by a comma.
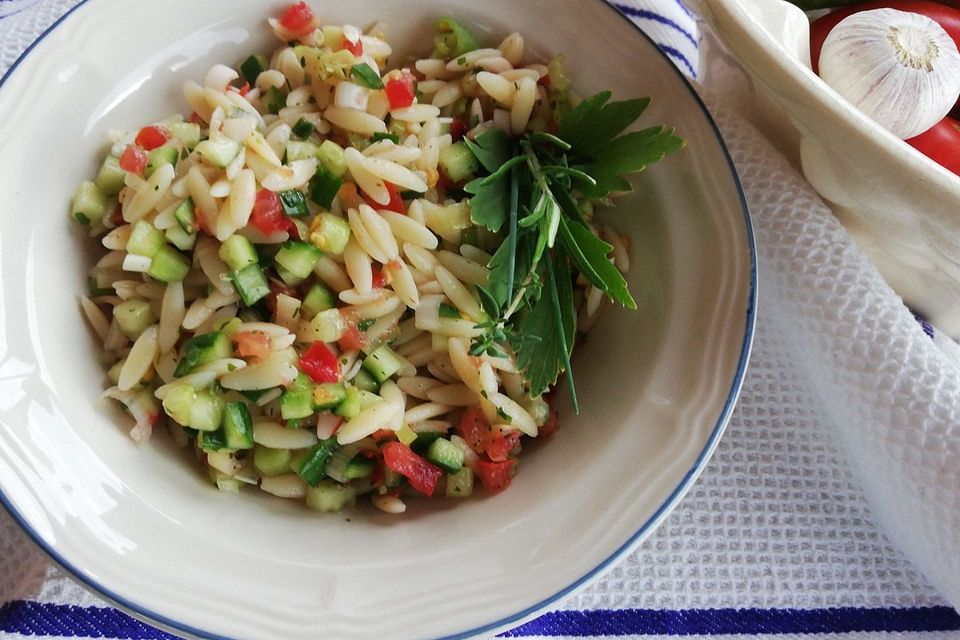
[(255, 344), (243, 90), (356, 48), (474, 428), (500, 443), (379, 279), (195, 118), (276, 288), (152, 137), (495, 476), (320, 363), (422, 475), (298, 19), (395, 204), (544, 81), (353, 339), (133, 160), (946, 17), (267, 213), (551, 426), (401, 91), (941, 144), (458, 127)]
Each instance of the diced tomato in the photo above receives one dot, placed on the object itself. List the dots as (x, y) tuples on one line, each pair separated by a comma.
[(356, 48), (379, 279), (422, 475), (352, 339), (267, 213), (383, 434), (243, 90), (401, 91), (495, 476), (551, 426), (474, 428), (320, 363), (457, 128), (395, 204), (252, 344), (152, 137), (500, 443), (195, 118), (298, 19), (544, 80), (133, 160), (349, 197)]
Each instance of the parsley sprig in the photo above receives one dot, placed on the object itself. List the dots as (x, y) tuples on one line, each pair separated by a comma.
[(531, 195)]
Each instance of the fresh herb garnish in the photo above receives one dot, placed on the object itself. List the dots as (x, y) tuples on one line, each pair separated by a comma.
[(380, 135), (531, 196), (365, 75)]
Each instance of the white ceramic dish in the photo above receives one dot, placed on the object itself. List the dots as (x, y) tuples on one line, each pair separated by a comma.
[(900, 205), (141, 527)]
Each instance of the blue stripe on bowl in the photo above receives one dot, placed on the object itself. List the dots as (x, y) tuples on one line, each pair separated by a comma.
[(42, 619)]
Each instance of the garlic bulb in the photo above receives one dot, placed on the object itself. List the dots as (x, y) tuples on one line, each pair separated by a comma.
[(900, 69)]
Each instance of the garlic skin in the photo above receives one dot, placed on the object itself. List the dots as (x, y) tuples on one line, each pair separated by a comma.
[(900, 69)]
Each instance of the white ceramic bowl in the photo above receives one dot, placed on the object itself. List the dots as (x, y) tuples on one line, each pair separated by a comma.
[(141, 526), (900, 206)]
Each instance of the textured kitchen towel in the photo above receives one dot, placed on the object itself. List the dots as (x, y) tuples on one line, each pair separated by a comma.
[(776, 538)]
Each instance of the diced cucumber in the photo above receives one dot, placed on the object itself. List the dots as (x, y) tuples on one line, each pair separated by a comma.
[(324, 186), (424, 440), (133, 317), (113, 373), (218, 153), (271, 462), (460, 484), (237, 426), (318, 299), (238, 252), (359, 467), (298, 259), (457, 162), (251, 284), (363, 380), (145, 239), (294, 203), (203, 349), (252, 67), (303, 129), (368, 399), (382, 363), (185, 216), (206, 411), (110, 178), (350, 405), (330, 233), (330, 497), (332, 36), (178, 401), (274, 100), (452, 39), (169, 265), (296, 403), (161, 155), (253, 394), (328, 395), (213, 440), (406, 435), (89, 203), (331, 158), (224, 482), (445, 455), (297, 150), (186, 132), (450, 220), (312, 467), (181, 239)]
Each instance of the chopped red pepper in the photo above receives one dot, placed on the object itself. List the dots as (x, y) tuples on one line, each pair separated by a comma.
[(252, 344), (298, 19), (133, 160), (356, 48), (379, 279), (242, 90), (320, 363), (495, 476), (474, 428), (267, 213), (422, 475), (500, 443), (395, 204), (457, 128), (551, 426), (544, 80), (401, 91), (195, 118), (152, 137), (352, 339)]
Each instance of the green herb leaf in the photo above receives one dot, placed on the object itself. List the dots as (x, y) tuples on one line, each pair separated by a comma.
[(366, 76), (380, 135), (593, 124), (490, 306), (627, 154), (492, 149), (589, 254), (490, 202)]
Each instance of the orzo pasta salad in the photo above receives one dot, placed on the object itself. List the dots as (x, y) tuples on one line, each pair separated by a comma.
[(348, 273)]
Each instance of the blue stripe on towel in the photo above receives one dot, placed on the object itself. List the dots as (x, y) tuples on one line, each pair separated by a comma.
[(659, 19), (44, 619), (674, 53)]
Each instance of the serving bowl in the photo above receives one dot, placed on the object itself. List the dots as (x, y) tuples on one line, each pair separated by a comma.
[(901, 207), (141, 527)]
